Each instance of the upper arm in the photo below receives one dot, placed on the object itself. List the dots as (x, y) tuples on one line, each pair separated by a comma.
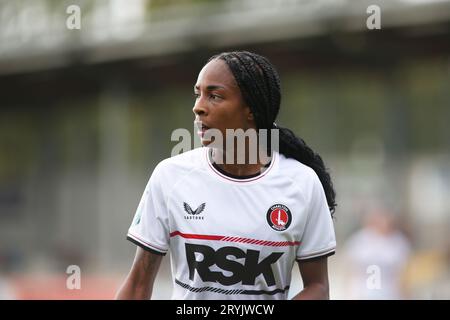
[(315, 272), (150, 226), (139, 282), (318, 238), (145, 267)]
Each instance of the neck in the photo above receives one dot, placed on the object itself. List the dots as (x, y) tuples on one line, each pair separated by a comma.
[(233, 167)]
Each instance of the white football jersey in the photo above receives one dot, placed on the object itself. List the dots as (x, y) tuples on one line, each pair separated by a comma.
[(233, 238)]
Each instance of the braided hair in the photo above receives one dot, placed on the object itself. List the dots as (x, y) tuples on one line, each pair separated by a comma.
[(259, 84)]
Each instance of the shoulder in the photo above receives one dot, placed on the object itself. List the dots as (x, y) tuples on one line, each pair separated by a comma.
[(303, 176), (293, 166), (183, 160), (175, 167)]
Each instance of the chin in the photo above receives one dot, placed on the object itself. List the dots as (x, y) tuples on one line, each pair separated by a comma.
[(205, 143)]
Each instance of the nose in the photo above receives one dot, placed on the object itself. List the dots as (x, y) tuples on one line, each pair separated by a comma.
[(200, 109)]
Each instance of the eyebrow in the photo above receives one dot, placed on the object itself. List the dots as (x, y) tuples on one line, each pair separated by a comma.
[(210, 87)]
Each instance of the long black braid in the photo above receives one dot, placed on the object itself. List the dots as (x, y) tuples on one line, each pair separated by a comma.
[(260, 88)]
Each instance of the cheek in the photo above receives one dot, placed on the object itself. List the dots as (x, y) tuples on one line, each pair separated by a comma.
[(240, 112), (242, 117), (237, 119)]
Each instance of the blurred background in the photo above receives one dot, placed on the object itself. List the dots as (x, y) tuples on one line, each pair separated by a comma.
[(86, 114)]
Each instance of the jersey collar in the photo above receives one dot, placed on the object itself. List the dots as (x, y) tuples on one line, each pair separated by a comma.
[(241, 179)]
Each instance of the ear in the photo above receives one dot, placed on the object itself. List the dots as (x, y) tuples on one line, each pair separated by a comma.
[(250, 116)]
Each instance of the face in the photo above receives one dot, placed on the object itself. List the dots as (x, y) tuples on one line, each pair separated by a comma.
[(218, 101)]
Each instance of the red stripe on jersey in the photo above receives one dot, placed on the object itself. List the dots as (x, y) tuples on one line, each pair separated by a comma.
[(195, 236), (235, 239)]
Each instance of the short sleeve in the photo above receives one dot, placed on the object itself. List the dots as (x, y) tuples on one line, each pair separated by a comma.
[(318, 238), (150, 226)]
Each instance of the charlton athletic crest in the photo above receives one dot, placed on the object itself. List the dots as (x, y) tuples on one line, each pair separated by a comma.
[(279, 217)]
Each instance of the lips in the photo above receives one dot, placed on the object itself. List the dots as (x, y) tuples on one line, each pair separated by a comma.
[(201, 124), (201, 128)]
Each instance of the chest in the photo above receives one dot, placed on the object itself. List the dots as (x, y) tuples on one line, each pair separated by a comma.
[(258, 212)]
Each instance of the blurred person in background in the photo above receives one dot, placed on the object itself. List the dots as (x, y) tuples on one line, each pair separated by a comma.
[(376, 258)]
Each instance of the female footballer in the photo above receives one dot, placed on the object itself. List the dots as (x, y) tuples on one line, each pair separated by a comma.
[(235, 229)]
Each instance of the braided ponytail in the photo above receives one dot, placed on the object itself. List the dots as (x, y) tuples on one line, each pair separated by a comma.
[(294, 147)]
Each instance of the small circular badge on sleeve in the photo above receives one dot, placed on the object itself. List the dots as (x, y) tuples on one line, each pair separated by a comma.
[(279, 217)]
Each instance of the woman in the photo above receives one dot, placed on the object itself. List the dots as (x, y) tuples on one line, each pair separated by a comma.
[(235, 229)]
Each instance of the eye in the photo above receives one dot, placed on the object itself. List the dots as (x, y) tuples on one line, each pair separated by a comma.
[(215, 97), (196, 95)]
